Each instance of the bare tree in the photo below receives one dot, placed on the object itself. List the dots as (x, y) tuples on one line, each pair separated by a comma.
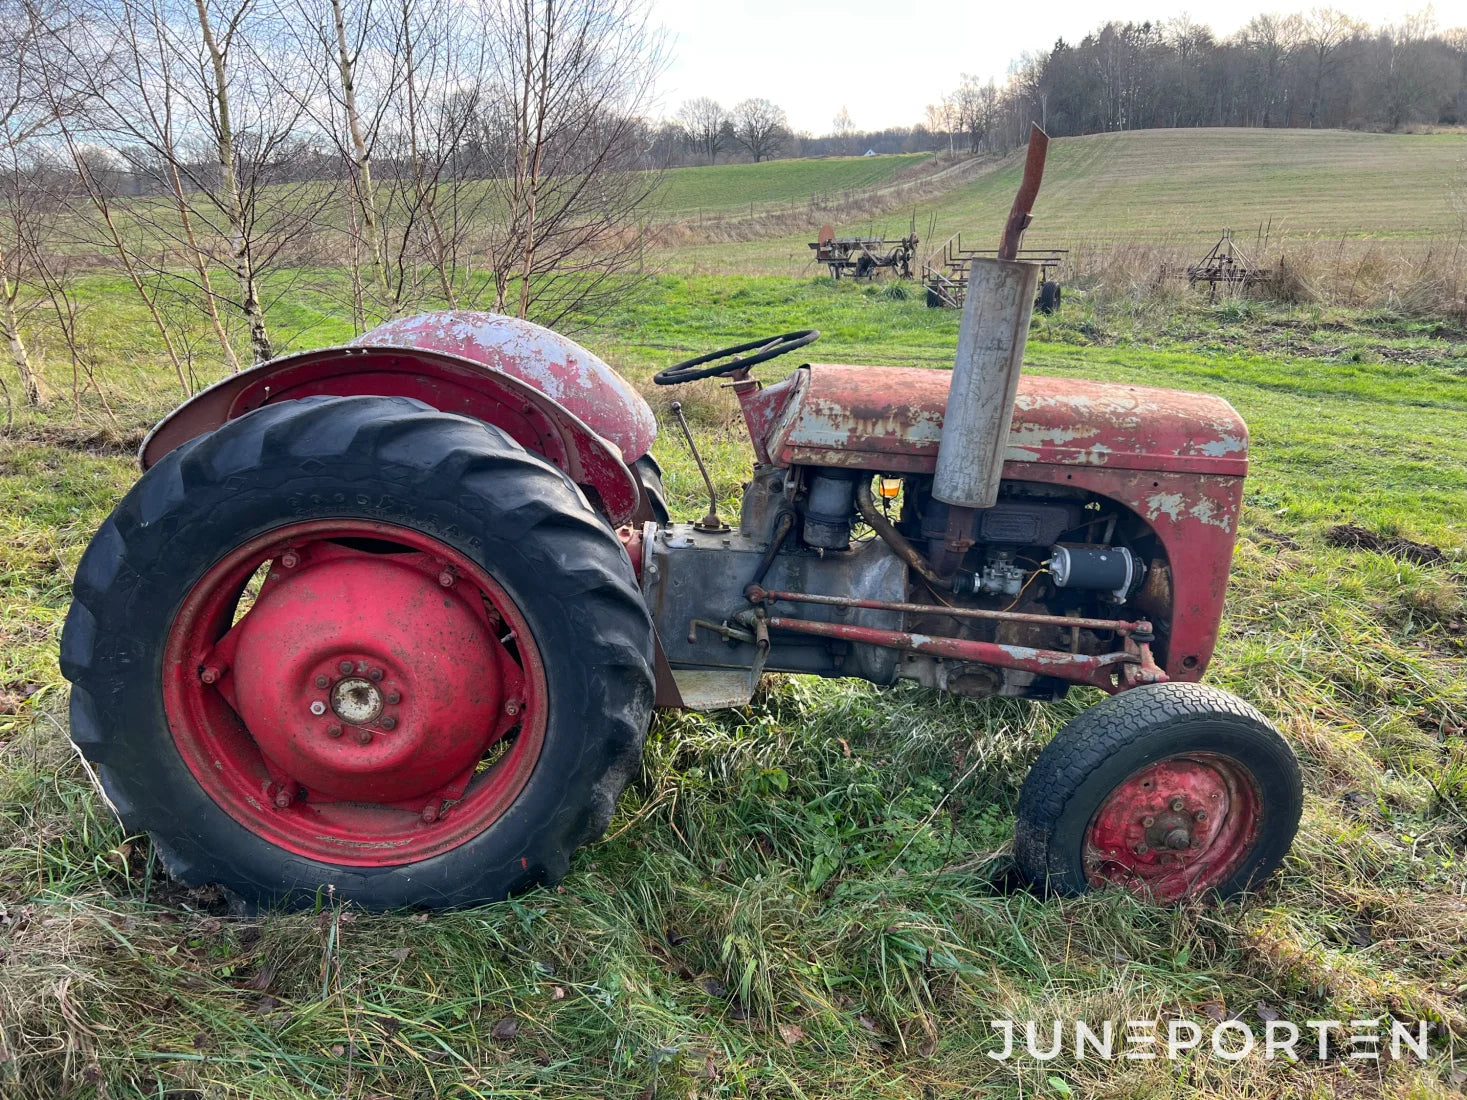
[(354, 52), (942, 118), (1326, 31), (24, 118), (843, 129), (574, 78), (760, 127), (705, 123), (438, 204), (1270, 41), (190, 84)]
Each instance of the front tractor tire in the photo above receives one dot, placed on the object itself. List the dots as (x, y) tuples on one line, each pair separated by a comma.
[(357, 648), (1172, 791)]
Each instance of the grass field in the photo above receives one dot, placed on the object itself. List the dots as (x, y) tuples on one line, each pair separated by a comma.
[(802, 899), (1182, 188), (723, 187)]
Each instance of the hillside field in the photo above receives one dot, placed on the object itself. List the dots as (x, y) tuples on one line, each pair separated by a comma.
[(723, 187), (1181, 188)]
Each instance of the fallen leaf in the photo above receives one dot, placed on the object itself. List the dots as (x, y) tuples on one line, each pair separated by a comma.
[(505, 1029), (400, 953), (715, 988), (557, 993), (845, 746), (791, 1033), (1215, 1011), (1267, 1013), (262, 978)]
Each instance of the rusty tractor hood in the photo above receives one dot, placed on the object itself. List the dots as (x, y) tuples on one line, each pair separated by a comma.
[(890, 419), (559, 368)]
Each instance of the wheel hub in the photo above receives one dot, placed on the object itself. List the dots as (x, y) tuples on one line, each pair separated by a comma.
[(356, 701), (362, 678), (1173, 828)]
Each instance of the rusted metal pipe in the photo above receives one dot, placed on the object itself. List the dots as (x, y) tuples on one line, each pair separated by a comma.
[(1105, 671), (866, 505), (1120, 626), (1019, 215)]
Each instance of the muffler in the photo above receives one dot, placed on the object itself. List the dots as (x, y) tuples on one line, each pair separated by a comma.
[(980, 401)]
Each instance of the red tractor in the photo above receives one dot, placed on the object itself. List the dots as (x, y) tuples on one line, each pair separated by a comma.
[(391, 619)]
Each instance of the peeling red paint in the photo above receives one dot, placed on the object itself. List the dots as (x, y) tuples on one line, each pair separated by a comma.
[(443, 381), (890, 418), (559, 368)]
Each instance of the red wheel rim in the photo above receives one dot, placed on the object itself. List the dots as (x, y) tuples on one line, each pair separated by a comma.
[(1175, 828), (379, 701)]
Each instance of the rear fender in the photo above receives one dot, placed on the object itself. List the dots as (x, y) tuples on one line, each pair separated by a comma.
[(447, 382)]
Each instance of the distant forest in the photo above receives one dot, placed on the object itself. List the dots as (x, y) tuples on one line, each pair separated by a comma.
[(1321, 69)]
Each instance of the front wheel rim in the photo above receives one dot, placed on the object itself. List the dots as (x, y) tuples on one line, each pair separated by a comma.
[(1175, 829), (379, 701)]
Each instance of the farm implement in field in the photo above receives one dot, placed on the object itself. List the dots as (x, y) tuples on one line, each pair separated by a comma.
[(390, 620), (945, 276), (863, 257)]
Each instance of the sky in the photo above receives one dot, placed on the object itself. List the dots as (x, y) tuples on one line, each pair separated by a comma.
[(885, 60)]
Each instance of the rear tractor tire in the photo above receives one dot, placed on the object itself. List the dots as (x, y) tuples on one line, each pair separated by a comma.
[(1173, 791), (352, 647)]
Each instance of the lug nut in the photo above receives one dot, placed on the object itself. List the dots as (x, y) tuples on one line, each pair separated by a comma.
[(344, 667), (209, 675), (375, 675), (430, 812), (323, 680), (512, 707), (364, 737), (1177, 804), (284, 797), (394, 697), (290, 559), (318, 708), (333, 732), (446, 579), (389, 722), (1141, 849), (1148, 821), (1200, 815)]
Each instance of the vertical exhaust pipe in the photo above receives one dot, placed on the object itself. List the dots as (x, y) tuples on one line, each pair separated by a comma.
[(980, 402)]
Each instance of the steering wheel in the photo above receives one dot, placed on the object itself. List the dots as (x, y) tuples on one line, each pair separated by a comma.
[(763, 349)]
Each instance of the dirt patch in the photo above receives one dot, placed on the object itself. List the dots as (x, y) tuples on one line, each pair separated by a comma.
[(1352, 537)]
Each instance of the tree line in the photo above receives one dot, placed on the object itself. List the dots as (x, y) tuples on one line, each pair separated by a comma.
[(1317, 69), (1320, 69)]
